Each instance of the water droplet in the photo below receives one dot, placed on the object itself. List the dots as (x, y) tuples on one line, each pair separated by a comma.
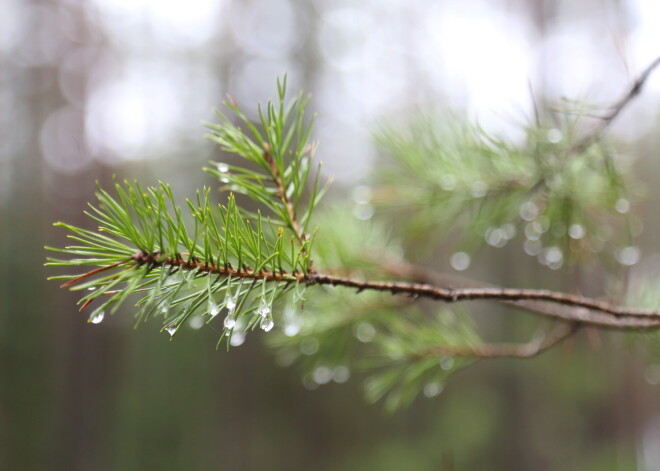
[(447, 363), (264, 308), (554, 135), (460, 261), (433, 389), (532, 247), (576, 231), (237, 339), (341, 374), (214, 309), (171, 329), (224, 179), (224, 168), (479, 189), (652, 374), (230, 302), (509, 230), (363, 212), (292, 323), (496, 237), (629, 255), (558, 229), (362, 194), (552, 257), (267, 324), (230, 322), (164, 309), (309, 346), (97, 317), (533, 230), (308, 382), (528, 211), (196, 322), (291, 329), (622, 205), (322, 375), (91, 288), (365, 332), (448, 182)]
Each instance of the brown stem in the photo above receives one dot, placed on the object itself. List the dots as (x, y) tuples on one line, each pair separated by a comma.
[(281, 194), (617, 108), (467, 294), (585, 310), (403, 269), (507, 350)]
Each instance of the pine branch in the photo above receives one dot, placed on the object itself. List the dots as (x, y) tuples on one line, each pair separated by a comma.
[(222, 257)]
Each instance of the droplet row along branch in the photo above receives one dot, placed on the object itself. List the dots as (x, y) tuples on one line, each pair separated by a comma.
[(584, 310)]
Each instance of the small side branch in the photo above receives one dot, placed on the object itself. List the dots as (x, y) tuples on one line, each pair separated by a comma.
[(507, 350), (616, 109), (281, 194)]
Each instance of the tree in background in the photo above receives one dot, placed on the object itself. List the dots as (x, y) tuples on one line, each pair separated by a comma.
[(272, 255)]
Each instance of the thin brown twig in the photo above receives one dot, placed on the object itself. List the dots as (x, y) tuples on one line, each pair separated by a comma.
[(617, 108), (506, 350), (419, 274), (281, 194)]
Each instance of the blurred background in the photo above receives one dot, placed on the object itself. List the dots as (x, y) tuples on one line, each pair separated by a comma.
[(96, 88)]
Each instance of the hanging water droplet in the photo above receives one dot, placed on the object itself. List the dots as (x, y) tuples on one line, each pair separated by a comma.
[(554, 135), (224, 168), (237, 339), (629, 255), (576, 231), (447, 363), (341, 374), (528, 211), (622, 205), (230, 322), (309, 346), (448, 182), (652, 374), (171, 329), (322, 375), (264, 308), (291, 329), (309, 383), (214, 309), (532, 247), (479, 189), (460, 261), (552, 257), (509, 230), (97, 317), (363, 211), (496, 237), (267, 324), (362, 194), (196, 322), (433, 389), (230, 302), (365, 332), (533, 230)]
